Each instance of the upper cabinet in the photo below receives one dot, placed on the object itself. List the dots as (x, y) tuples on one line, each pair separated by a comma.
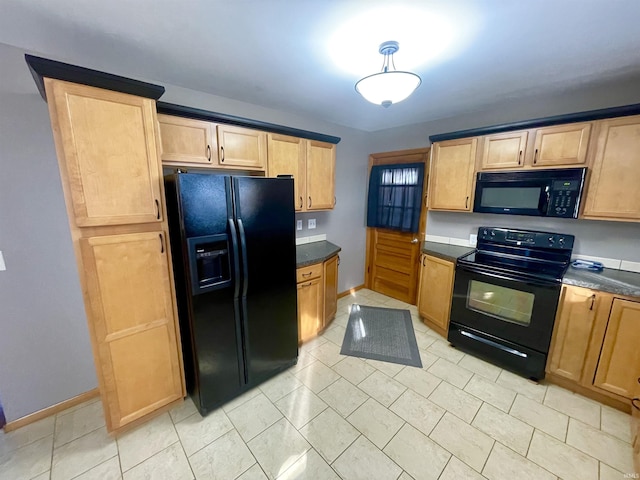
[(547, 147), (312, 165), (187, 141), (111, 159), (561, 146), (504, 150), (612, 191), (242, 148), (452, 174), (205, 144)]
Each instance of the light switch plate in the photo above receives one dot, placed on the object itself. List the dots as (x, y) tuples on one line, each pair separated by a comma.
[(2, 265), (312, 223), (298, 224)]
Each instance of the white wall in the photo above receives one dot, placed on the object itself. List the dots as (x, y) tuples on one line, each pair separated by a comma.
[(45, 352)]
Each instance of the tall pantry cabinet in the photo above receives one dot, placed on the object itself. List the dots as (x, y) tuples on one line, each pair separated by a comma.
[(112, 181)]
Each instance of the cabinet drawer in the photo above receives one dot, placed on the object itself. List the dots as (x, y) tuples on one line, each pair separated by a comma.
[(307, 273)]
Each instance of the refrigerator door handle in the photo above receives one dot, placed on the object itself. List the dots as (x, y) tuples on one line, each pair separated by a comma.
[(245, 267), (236, 258)]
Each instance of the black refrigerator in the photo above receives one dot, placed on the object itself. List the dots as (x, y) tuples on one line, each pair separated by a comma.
[(234, 256)]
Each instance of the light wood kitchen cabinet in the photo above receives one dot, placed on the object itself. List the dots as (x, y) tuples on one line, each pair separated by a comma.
[(111, 177), (288, 156), (321, 174), (129, 291), (504, 150), (242, 148), (451, 176), (317, 297), (576, 322), (561, 145), (330, 288), (310, 301), (312, 165), (618, 369), (595, 345), (187, 141), (110, 162), (612, 188), (435, 291)]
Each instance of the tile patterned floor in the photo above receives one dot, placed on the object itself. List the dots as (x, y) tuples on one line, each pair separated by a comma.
[(333, 417)]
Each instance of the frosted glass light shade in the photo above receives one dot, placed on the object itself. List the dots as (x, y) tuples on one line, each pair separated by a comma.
[(386, 88)]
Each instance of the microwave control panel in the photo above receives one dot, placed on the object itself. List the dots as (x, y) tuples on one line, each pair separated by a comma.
[(563, 198)]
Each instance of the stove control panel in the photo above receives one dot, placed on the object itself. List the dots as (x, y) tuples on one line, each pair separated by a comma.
[(525, 238)]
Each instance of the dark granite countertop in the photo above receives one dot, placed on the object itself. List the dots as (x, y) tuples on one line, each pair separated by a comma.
[(316, 252), (445, 251), (618, 282)]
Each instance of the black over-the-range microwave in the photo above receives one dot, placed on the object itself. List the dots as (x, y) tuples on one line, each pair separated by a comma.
[(541, 193)]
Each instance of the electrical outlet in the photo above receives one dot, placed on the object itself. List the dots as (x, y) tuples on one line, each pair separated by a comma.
[(298, 224), (473, 240), (312, 223), (2, 265)]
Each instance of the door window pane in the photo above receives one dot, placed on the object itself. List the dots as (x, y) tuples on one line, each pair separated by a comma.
[(507, 304)]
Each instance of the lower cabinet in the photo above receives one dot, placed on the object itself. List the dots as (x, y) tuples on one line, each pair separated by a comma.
[(595, 342), (317, 297), (434, 292)]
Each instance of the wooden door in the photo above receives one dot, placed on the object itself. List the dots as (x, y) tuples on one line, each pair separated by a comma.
[(108, 154), (504, 150), (187, 141), (130, 302), (451, 175), (562, 145), (612, 190), (619, 366), (392, 257), (575, 326), (241, 148), (330, 289), (321, 174), (435, 291), (286, 156), (310, 308)]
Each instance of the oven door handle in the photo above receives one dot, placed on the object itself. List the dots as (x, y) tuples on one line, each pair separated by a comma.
[(509, 278), (491, 343)]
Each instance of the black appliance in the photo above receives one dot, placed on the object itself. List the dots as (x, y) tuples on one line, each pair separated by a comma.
[(505, 296), (540, 193), (234, 258)]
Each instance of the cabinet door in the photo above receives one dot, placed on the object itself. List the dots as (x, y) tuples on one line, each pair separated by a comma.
[(612, 191), (286, 156), (310, 308), (330, 289), (504, 150), (434, 296), (451, 176), (242, 148), (619, 366), (574, 327), (109, 156), (321, 175), (563, 145), (187, 141), (132, 323)]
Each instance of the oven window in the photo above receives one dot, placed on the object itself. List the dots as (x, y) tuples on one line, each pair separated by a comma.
[(509, 197), (503, 303)]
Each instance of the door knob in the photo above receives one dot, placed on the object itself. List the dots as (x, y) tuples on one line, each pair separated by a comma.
[(415, 240)]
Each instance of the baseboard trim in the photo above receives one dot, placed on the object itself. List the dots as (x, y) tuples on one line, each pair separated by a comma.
[(350, 291), (52, 410)]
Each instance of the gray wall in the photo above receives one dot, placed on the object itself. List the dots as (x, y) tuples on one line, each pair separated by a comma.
[(44, 342)]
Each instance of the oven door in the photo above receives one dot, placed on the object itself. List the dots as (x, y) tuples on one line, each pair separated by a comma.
[(505, 306)]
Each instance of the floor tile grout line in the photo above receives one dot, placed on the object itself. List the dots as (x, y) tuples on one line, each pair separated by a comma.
[(446, 464), (148, 458)]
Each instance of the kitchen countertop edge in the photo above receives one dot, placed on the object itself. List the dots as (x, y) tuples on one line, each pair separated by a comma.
[(315, 252), (445, 251)]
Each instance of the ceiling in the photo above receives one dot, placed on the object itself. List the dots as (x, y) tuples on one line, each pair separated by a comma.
[(305, 56)]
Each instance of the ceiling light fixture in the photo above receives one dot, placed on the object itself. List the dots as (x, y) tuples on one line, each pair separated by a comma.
[(388, 86)]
